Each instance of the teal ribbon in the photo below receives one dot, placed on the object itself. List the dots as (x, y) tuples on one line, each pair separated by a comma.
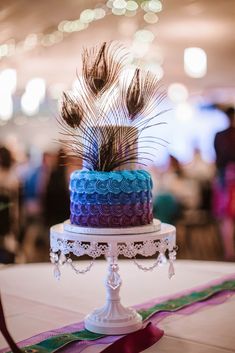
[(51, 345), (186, 300), (57, 342)]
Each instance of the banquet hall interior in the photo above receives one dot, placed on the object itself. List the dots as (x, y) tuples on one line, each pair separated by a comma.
[(189, 45)]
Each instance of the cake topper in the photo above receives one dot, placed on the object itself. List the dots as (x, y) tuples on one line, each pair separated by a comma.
[(102, 123)]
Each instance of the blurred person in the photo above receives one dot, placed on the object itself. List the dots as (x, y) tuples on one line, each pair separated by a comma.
[(35, 185), (198, 168), (224, 197), (203, 173), (56, 201), (167, 205), (9, 205), (185, 190)]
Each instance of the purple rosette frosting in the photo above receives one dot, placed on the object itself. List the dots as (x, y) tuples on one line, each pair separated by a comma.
[(117, 210), (105, 210), (92, 221), (114, 221), (94, 209), (129, 210), (102, 221)]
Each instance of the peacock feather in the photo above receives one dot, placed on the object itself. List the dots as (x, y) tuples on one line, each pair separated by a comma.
[(103, 121)]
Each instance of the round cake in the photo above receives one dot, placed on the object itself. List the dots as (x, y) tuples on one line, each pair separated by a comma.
[(111, 199)]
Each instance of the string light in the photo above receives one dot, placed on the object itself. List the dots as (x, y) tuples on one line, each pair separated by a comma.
[(132, 5), (87, 16), (36, 87), (34, 95), (177, 92), (130, 13), (144, 35), (150, 17), (119, 4), (8, 80), (99, 13), (155, 6), (195, 62), (118, 12), (64, 28), (6, 106), (29, 104)]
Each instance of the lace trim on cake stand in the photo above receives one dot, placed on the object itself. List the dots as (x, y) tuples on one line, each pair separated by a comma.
[(61, 250)]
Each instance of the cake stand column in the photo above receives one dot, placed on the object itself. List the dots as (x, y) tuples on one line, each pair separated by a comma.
[(113, 318)]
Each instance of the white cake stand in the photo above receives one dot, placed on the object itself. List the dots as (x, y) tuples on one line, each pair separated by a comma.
[(113, 318)]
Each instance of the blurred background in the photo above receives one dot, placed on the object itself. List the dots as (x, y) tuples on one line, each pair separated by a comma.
[(189, 45)]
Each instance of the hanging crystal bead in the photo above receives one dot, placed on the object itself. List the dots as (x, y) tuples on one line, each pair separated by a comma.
[(162, 260), (57, 272), (62, 259), (114, 280), (53, 257), (171, 271)]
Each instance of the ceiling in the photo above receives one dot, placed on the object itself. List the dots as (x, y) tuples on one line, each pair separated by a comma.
[(205, 23)]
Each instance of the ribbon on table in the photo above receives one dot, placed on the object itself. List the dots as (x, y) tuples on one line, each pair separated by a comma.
[(214, 293), (134, 342), (137, 341), (5, 332)]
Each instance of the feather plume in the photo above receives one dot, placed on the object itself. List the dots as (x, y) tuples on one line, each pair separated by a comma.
[(102, 123)]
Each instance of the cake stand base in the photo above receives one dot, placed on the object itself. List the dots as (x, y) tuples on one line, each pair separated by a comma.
[(130, 322), (113, 318)]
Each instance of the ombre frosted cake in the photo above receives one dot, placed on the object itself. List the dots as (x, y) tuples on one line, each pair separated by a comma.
[(111, 199)]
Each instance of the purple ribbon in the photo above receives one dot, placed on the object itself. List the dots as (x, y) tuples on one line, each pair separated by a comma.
[(137, 341)]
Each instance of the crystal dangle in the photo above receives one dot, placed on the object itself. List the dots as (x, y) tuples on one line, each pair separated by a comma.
[(114, 280), (54, 257), (57, 272), (162, 260), (171, 271), (172, 257)]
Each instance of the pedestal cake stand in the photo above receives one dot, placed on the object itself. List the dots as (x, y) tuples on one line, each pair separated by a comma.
[(155, 239)]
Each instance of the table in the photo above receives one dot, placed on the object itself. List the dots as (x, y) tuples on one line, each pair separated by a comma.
[(35, 302)]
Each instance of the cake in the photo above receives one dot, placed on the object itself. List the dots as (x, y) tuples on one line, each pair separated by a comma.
[(102, 125), (111, 199)]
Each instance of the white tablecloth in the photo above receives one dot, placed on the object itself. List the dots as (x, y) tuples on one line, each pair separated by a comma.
[(35, 302)]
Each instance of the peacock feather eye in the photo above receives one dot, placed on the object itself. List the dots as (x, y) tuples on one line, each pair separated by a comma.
[(135, 96), (99, 74), (71, 111)]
